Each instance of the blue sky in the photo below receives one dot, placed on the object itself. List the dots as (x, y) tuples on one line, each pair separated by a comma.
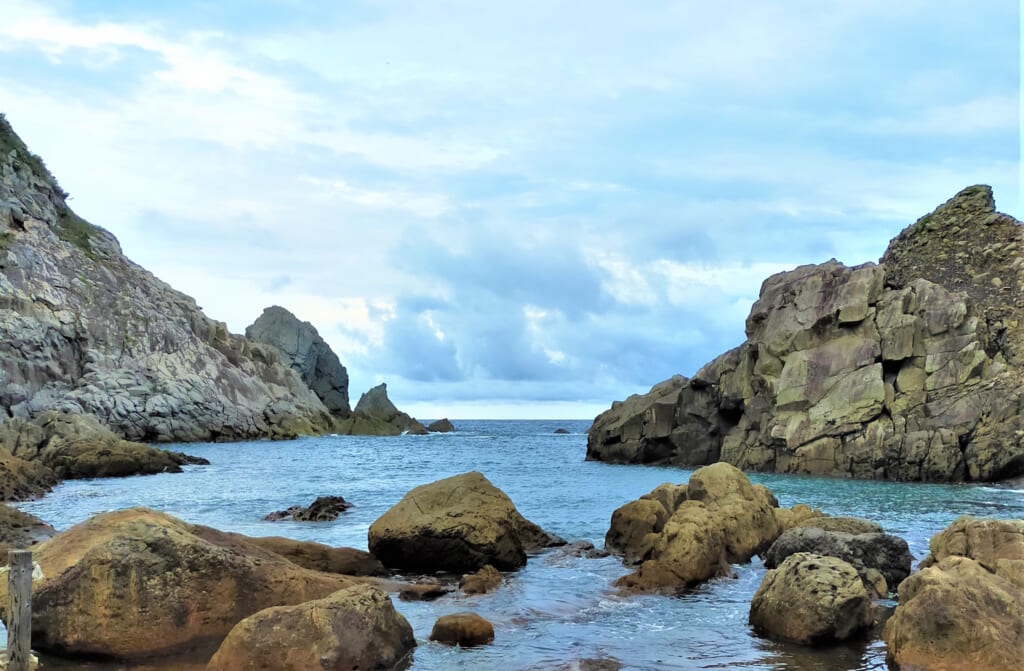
[(511, 209)]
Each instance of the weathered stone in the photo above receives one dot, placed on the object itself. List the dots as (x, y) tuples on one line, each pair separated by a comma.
[(462, 629), (458, 524), (998, 545), (887, 554), (20, 530), (423, 591), (634, 529), (354, 629), (846, 525), (485, 580), (376, 415), (811, 599), (441, 426), (304, 351), (319, 557), (323, 509)]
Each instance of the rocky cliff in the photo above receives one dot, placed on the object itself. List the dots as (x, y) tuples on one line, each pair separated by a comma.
[(376, 415), (305, 352), (910, 369), (85, 330)]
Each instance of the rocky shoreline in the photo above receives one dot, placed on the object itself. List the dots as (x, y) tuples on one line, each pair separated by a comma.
[(910, 369)]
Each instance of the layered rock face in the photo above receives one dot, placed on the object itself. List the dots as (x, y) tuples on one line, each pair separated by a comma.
[(85, 330), (907, 370), (304, 351)]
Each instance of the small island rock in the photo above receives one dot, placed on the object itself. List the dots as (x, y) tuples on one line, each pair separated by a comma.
[(441, 426), (376, 415)]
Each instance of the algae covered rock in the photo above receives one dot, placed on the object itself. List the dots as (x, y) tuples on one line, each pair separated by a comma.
[(354, 629), (189, 585), (457, 524), (811, 599)]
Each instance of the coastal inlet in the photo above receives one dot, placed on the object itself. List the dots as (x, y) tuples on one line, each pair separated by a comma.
[(560, 608)]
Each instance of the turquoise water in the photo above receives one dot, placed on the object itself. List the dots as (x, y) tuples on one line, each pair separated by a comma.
[(558, 609)]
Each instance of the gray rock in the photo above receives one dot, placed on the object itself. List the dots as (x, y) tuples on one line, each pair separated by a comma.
[(885, 553), (376, 415), (304, 351)]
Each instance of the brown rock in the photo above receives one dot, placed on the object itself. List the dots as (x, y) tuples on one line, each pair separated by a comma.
[(634, 529), (849, 525), (20, 530), (464, 629), (319, 557), (485, 580), (354, 629), (998, 545), (458, 524), (798, 514), (21, 480), (811, 599), (422, 591), (189, 585)]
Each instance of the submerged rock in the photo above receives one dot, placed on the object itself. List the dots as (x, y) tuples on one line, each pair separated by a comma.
[(964, 610), (908, 370), (562, 432), (458, 524), (463, 629), (423, 591), (83, 330), (323, 509), (811, 599), (304, 351), (189, 585), (376, 415), (355, 629)]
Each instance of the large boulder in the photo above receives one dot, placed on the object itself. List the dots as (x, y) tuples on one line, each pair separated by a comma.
[(811, 599), (320, 557), (443, 425), (724, 520), (79, 446), (376, 415), (635, 528), (20, 530), (304, 351), (463, 629), (83, 330), (138, 584), (458, 524), (998, 545), (882, 552), (956, 615), (355, 629), (908, 370)]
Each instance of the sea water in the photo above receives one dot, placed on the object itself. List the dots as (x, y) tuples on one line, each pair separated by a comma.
[(558, 609)]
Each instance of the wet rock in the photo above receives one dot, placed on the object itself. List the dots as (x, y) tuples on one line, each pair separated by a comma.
[(463, 629), (811, 599), (20, 530), (458, 524), (304, 351), (887, 554), (423, 591), (441, 426), (319, 557), (354, 629), (725, 519), (908, 370), (483, 581), (190, 585), (957, 615), (562, 432), (582, 550), (376, 415), (323, 509), (635, 528)]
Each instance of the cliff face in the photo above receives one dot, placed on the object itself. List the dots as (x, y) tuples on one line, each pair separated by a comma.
[(907, 370), (85, 330), (305, 352)]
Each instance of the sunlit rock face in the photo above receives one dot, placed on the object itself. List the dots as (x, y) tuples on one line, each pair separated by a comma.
[(910, 369)]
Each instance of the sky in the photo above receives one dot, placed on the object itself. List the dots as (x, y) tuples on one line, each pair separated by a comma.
[(511, 210)]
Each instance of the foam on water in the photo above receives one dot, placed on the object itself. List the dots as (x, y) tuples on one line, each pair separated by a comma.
[(559, 608)]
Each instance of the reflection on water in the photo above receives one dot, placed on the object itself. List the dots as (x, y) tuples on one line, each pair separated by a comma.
[(559, 608)]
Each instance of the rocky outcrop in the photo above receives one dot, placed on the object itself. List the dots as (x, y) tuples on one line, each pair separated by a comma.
[(20, 530), (463, 629), (354, 629), (443, 425), (811, 599), (881, 552), (485, 580), (458, 524), (85, 330), (965, 608), (78, 446), (137, 584), (376, 415), (907, 370), (724, 519), (323, 509), (320, 557), (304, 351)]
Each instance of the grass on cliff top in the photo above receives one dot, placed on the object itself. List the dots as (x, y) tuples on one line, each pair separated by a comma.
[(9, 140)]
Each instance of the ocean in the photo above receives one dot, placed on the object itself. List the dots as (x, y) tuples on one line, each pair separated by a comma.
[(558, 609)]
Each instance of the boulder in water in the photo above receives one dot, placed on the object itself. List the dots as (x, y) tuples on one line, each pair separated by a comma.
[(463, 629), (323, 509), (376, 415), (441, 426), (885, 553)]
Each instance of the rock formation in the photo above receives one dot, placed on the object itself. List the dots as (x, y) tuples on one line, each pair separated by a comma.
[(83, 330), (483, 581), (376, 415), (964, 610), (811, 599), (911, 369), (463, 629), (458, 524), (354, 629), (443, 425), (323, 509), (304, 351), (320, 557)]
